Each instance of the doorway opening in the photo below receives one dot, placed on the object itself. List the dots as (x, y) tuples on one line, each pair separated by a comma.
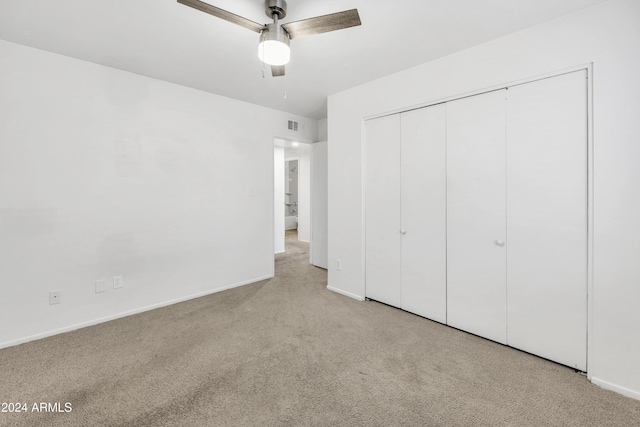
[(292, 192), (301, 199)]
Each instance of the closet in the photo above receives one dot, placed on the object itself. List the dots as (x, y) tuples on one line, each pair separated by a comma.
[(476, 215)]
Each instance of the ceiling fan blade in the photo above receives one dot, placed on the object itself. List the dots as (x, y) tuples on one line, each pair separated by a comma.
[(277, 70), (223, 14), (323, 24)]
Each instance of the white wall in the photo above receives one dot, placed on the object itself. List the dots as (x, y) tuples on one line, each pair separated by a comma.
[(319, 230), (323, 129), (607, 35), (278, 204), (106, 173)]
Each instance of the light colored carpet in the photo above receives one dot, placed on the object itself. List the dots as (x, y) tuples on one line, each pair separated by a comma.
[(289, 352)]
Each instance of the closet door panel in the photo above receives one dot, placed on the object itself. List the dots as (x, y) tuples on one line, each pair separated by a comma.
[(424, 213), (476, 224), (382, 210), (547, 218)]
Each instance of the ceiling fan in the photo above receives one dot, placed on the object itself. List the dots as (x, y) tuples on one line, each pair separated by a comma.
[(274, 38)]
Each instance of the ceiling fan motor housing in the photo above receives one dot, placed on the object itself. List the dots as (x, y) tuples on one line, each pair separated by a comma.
[(274, 8), (276, 33)]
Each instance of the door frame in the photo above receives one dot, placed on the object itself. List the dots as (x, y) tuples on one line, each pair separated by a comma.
[(271, 178)]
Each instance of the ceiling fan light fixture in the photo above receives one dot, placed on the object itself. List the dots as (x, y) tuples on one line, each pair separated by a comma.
[(274, 46)]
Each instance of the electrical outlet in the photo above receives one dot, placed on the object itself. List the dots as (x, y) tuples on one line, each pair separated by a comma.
[(338, 264), (54, 297), (117, 282), (101, 286)]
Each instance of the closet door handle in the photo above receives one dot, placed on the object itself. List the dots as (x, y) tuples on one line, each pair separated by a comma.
[(499, 242), (403, 231)]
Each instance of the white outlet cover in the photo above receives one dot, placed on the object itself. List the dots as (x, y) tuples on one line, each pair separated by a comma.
[(117, 282), (101, 286)]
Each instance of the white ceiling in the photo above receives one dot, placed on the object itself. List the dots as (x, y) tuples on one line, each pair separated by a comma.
[(169, 41)]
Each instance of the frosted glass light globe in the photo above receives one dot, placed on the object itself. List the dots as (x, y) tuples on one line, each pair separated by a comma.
[(274, 52)]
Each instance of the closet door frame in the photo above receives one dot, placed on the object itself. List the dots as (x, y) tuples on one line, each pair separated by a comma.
[(590, 176)]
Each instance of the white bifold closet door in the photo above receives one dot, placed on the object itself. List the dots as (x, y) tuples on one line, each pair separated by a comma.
[(424, 212), (405, 211), (547, 218), (382, 209), (476, 223)]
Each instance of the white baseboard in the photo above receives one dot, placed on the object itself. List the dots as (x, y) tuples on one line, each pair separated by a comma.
[(618, 389), (93, 322), (279, 252), (345, 293)]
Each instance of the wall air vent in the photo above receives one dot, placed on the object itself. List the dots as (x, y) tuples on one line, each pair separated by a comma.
[(293, 126)]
